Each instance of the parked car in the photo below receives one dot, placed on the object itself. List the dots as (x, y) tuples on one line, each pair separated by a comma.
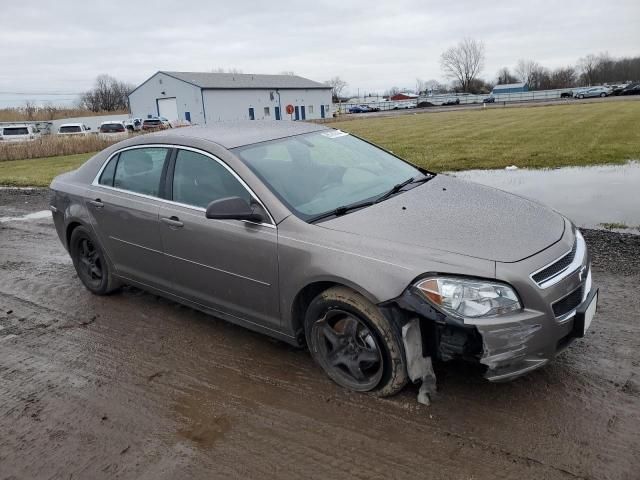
[(489, 99), (133, 124), (632, 89), (249, 222), (113, 129), (593, 92), (403, 105), (363, 109), (152, 124), (165, 122), (74, 129), (451, 100), (18, 132)]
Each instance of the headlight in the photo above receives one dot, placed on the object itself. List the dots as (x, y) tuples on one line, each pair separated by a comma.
[(468, 297)]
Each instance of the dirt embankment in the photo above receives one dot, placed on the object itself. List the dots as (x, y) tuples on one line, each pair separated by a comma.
[(134, 386)]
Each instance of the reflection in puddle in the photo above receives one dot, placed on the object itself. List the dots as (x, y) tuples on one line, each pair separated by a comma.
[(589, 196)]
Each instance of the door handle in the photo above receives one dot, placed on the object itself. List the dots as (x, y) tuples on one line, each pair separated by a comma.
[(172, 221), (97, 203)]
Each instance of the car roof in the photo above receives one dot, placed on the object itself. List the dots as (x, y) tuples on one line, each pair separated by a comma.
[(71, 125), (16, 125), (108, 122), (241, 133)]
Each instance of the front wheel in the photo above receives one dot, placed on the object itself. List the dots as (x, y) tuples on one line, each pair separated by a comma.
[(603, 94), (90, 263), (580, 97), (354, 343)]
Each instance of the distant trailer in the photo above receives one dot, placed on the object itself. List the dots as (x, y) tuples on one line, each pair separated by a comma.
[(510, 88)]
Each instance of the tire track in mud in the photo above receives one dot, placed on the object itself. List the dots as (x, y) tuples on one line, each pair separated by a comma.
[(151, 389)]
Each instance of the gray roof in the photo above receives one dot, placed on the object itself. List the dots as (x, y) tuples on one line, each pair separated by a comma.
[(509, 85), (239, 133), (245, 80)]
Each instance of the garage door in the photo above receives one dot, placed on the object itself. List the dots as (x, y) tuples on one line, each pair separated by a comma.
[(168, 108)]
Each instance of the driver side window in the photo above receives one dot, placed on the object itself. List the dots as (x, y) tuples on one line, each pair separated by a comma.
[(199, 180)]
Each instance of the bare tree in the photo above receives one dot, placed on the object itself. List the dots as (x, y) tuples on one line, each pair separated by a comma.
[(392, 92), (526, 71), (30, 109), (563, 77), (464, 62), (337, 86), (588, 66), (108, 94), (435, 86), (504, 76)]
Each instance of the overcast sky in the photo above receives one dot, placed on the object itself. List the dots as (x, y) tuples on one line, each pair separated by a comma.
[(61, 46)]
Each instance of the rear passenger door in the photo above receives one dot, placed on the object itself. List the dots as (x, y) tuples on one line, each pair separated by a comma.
[(123, 207), (227, 265)]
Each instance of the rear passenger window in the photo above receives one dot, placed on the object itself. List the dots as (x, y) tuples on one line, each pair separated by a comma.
[(107, 174), (199, 180), (140, 170)]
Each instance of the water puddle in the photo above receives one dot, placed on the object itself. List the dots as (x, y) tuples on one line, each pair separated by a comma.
[(606, 196), (30, 216)]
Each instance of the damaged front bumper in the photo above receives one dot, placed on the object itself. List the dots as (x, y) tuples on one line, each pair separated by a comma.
[(517, 344), (508, 345)]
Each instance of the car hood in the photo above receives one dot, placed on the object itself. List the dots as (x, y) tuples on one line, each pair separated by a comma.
[(460, 217)]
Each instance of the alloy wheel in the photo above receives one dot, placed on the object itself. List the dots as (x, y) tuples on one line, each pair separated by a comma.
[(89, 262), (349, 349)]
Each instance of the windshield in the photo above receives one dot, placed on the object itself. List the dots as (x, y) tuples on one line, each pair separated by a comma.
[(70, 129), (16, 131), (318, 172)]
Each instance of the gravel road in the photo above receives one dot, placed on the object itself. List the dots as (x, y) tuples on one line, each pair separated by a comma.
[(135, 386)]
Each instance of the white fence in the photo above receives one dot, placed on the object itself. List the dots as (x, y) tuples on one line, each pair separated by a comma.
[(463, 99)]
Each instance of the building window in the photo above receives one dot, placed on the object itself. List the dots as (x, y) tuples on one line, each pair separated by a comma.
[(267, 113), (310, 107)]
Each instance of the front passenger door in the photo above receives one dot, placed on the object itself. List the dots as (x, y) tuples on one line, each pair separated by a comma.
[(228, 265)]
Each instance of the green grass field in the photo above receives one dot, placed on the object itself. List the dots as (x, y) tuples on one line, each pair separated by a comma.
[(40, 171), (536, 137)]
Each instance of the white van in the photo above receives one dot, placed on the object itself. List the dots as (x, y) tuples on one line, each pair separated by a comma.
[(18, 132)]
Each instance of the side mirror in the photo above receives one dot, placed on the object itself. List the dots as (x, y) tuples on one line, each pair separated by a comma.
[(234, 208)]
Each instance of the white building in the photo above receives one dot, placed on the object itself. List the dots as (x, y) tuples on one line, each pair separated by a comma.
[(201, 98)]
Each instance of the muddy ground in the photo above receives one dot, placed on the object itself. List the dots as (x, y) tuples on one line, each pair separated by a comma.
[(134, 386)]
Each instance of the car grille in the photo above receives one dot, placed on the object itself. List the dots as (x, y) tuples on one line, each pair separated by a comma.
[(556, 267), (568, 303)]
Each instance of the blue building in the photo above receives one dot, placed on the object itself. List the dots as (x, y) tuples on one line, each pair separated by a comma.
[(510, 88)]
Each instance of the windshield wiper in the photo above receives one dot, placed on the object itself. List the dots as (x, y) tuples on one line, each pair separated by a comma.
[(396, 188), (336, 212)]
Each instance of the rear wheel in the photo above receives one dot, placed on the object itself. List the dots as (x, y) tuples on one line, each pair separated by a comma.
[(603, 94), (354, 343), (581, 96), (90, 263)]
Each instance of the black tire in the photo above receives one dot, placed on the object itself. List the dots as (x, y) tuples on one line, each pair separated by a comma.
[(603, 94), (344, 332), (90, 263)]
